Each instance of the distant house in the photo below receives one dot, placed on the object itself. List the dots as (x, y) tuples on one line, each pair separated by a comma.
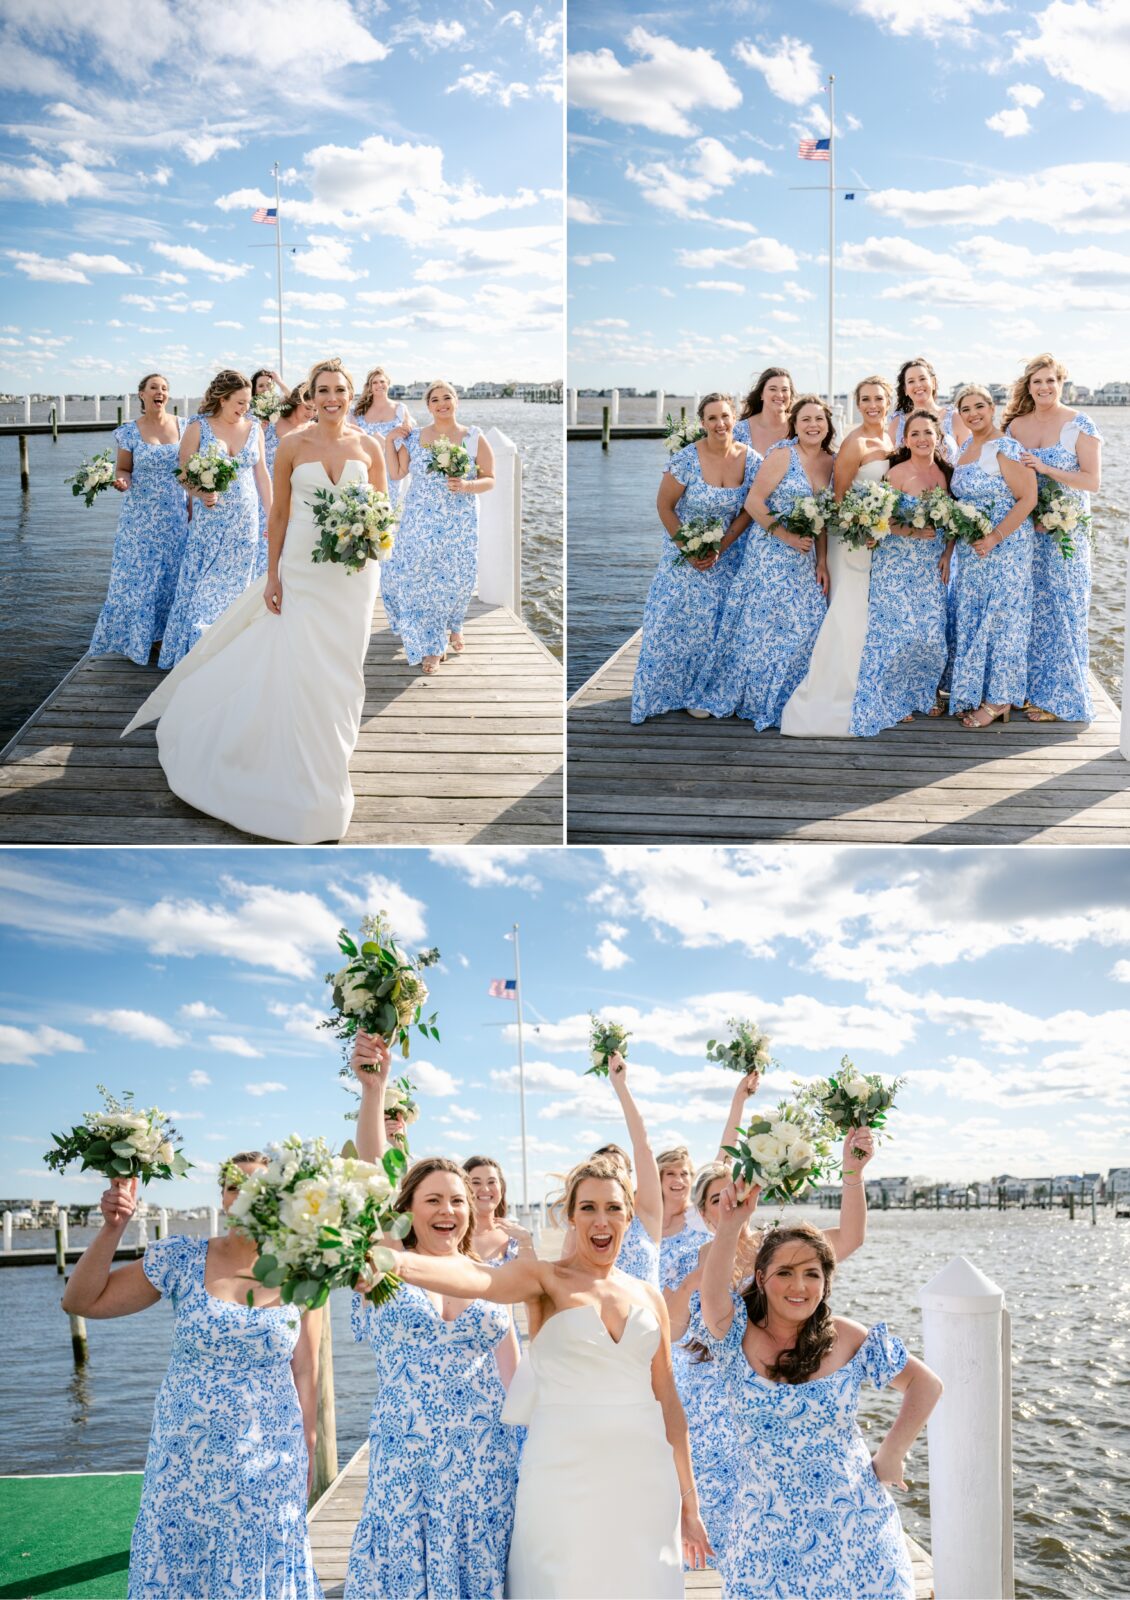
[(1117, 1182)]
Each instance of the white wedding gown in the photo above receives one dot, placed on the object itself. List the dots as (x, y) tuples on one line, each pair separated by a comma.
[(820, 706), (259, 720), (598, 1496)]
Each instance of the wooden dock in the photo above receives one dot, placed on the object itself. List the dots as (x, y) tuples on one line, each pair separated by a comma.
[(337, 1513), (472, 754), (677, 779)]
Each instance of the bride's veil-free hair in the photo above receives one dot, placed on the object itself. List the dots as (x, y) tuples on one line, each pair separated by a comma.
[(411, 1181), (330, 364), (604, 1169)]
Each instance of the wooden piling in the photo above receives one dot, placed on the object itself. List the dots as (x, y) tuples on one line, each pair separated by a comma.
[(605, 426), (25, 464), (1071, 1205), (119, 416), (325, 1448), (79, 1347), (54, 426), (61, 1244)]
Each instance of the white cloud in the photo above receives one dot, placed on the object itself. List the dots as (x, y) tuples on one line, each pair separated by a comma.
[(608, 955), (42, 270), (433, 1080), (198, 1080), (309, 300), (327, 258), (36, 180), (1121, 971), (267, 1087), (943, 19), (1025, 94), (657, 90), (198, 1011), (20, 1046), (754, 255), (592, 260), (1011, 123), (1085, 43), (487, 85), (187, 255), (201, 147), (789, 71), (488, 866), (1084, 197), (679, 186), (405, 912), (139, 1025), (539, 1075), (231, 1044)]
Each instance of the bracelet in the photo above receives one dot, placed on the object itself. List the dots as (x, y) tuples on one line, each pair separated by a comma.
[(686, 1492), (858, 1184)]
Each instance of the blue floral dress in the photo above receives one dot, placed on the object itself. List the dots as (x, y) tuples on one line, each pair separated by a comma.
[(769, 622), (220, 555), (378, 430), (678, 1255), (443, 1469), (904, 653), (1059, 652), (148, 548), (683, 605), (710, 1422), (897, 423), (809, 1518), (427, 582), (639, 1254), (223, 1501), (990, 596)]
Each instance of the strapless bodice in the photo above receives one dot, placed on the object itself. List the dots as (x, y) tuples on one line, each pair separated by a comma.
[(577, 1362)]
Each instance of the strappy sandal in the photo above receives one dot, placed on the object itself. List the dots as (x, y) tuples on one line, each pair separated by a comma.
[(1037, 714), (996, 713), (456, 641), (436, 661)]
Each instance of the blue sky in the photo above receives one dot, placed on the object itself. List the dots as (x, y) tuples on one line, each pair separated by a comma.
[(999, 981), (422, 157), (992, 139)]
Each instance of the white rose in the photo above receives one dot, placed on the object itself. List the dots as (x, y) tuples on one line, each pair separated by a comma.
[(165, 1151), (241, 1205), (693, 543), (312, 1206), (355, 997), (599, 1059), (857, 1088), (766, 1150), (801, 1155), (786, 1133)]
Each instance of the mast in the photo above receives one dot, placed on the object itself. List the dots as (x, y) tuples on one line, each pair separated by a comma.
[(831, 241), (521, 1070), (278, 264)]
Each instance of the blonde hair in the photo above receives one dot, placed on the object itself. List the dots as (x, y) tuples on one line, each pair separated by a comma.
[(1020, 402), (678, 1156), (712, 1171), (864, 382), (440, 383), (973, 388), (606, 1172), (245, 1158), (226, 383), (365, 398), (331, 364)]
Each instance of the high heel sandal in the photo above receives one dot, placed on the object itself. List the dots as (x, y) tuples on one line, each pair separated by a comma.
[(457, 643), (1037, 714), (436, 661), (997, 713)]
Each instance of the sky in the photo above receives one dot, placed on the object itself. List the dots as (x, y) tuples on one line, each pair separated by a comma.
[(997, 981), (421, 154), (986, 143)]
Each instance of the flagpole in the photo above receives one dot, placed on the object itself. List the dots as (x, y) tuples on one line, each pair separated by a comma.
[(831, 241), (521, 1071), (278, 264)]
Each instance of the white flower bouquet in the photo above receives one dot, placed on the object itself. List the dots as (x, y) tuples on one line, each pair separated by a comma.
[(962, 521), (930, 510), (124, 1141), (700, 536), (268, 405), (400, 1097), (356, 524), (746, 1050), (316, 1217), (604, 1038), (209, 471), (810, 514), (448, 459), (786, 1152), (1058, 513), (863, 516), (849, 1099), (380, 990), (93, 476), (682, 432)]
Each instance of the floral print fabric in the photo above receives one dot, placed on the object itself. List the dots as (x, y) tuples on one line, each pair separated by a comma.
[(639, 1254), (378, 430)]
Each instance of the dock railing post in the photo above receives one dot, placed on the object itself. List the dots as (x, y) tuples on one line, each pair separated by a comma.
[(615, 398), (27, 408), (142, 1233), (98, 408), (605, 427), (1124, 726), (213, 1223), (163, 1223), (325, 1447), (61, 1244), (61, 406), (500, 528), (965, 1341), (660, 402), (572, 417), (54, 425), (7, 1230)]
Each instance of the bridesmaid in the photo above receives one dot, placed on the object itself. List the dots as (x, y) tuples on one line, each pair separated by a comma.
[(682, 1230), (639, 1254), (916, 389), (230, 1461), (377, 415), (708, 479), (992, 579), (777, 600), (263, 381), (812, 1516), (427, 583), (765, 412), (904, 653), (222, 550), (495, 1239), (443, 1468), (1065, 446), (297, 411), (151, 533)]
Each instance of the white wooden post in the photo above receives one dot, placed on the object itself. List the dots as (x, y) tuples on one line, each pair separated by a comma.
[(213, 1223), (142, 1232), (965, 1327), (500, 528), (125, 408), (61, 407), (163, 1223), (7, 1230), (660, 402), (98, 408), (615, 398), (61, 1242), (692, 414), (186, 413), (27, 407), (1124, 732), (572, 422)]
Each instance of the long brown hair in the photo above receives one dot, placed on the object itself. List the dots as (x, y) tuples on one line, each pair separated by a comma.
[(754, 403), (297, 396), (365, 398), (143, 381), (941, 460), (225, 383), (412, 1180), (903, 402), (1020, 402), (798, 406), (817, 1334), (488, 1161)]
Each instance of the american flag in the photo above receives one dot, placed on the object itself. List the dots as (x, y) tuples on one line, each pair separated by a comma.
[(503, 989), (266, 214), (814, 149)]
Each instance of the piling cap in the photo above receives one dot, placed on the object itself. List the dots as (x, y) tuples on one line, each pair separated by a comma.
[(960, 1286)]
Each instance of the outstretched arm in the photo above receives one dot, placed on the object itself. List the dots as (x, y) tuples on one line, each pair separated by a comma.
[(524, 1278), (851, 1230), (734, 1211), (747, 1087), (369, 1050), (649, 1192), (93, 1290)]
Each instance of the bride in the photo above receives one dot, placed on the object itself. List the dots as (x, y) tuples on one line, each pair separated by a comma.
[(820, 707), (599, 1506), (259, 720)]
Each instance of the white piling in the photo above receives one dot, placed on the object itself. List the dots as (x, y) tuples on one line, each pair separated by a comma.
[(660, 402), (213, 1223), (7, 1230), (964, 1326), (1124, 730), (98, 408), (692, 414), (615, 398), (125, 408), (500, 528), (142, 1232), (27, 407), (572, 422), (61, 408), (163, 1223), (186, 413)]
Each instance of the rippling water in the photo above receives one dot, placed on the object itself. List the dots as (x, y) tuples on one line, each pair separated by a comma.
[(614, 539), (1064, 1283), (55, 554)]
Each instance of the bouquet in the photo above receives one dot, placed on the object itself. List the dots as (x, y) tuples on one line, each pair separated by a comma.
[(786, 1152), (268, 405), (123, 1141), (93, 476), (209, 471), (380, 989), (399, 1097), (810, 514), (604, 1038), (316, 1218), (698, 537), (863, 516), (687, 430), (850, 1099), (931, 510), (962, 521), (1058, 513), (747, 1050), (356, 525), (449, 460)]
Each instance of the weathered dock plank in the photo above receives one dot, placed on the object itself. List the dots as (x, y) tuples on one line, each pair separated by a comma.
[(679, 779), (472, 754)]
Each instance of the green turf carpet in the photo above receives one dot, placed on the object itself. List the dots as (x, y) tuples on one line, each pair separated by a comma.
[(68, 1536)]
